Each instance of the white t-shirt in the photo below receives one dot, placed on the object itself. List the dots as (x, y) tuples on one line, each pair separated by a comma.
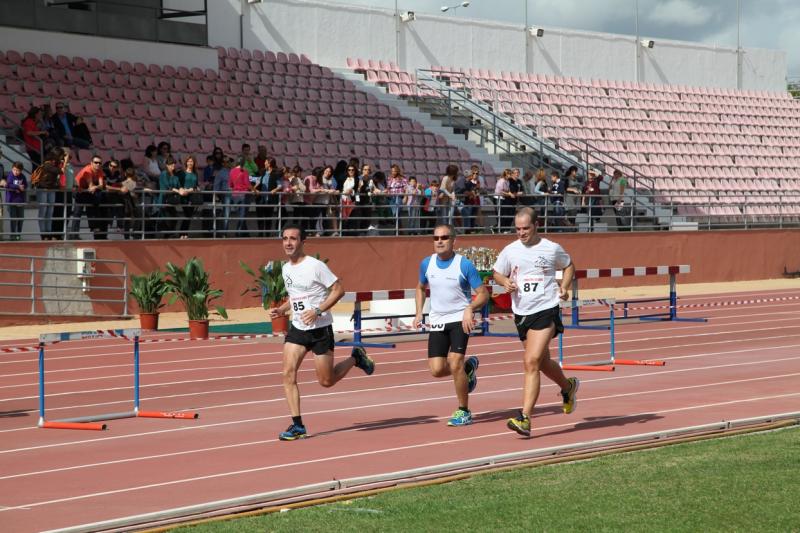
[(308, 284), (533, 269)]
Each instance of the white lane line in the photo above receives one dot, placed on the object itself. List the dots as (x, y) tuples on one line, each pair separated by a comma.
[(196, 427), (246, 471), (156, 348), (268, 374), (477, 414)]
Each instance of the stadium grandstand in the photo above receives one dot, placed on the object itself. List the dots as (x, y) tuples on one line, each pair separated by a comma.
[(706, 146)]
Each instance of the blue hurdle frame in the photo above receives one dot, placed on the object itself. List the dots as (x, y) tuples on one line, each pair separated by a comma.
[(670, 315)]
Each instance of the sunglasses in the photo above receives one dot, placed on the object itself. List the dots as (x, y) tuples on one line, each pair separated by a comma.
[(96, 162), (441, 237)]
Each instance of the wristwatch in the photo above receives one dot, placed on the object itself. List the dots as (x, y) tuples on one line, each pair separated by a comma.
[(318, 311)]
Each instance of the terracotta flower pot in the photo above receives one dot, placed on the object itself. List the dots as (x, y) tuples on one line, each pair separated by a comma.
[(280, 324), (198, 329), (148, 321)]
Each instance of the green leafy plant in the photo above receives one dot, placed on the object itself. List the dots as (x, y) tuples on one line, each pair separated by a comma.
[(267, 283), (191, 286), (148, 290)]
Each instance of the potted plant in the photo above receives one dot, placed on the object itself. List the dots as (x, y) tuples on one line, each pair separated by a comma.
[(190, 285), (268, 285), (148, 290)]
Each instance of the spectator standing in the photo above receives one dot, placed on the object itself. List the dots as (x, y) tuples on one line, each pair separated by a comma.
[(222, 189), (191, 197), (412, 201), (506, 200), (89, 197), (62, 210), (430, 204), (261, 160), (377, 191), (592, 200), (240, 195), (150, 167), (363, 211), (169, 185), (250, 164), (47, 187), (16, 184), (447, 196), (329, 197), (616, 194), (33, 136), (163, 152), (395, 188), (349, 187)]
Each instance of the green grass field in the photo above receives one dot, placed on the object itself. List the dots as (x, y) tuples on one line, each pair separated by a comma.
[(745, 483)]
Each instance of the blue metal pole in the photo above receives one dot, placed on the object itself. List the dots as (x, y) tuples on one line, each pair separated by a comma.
[(485, 319), (611, 329), (357, 324), (560, 347), (136, 374), (673, 298), (41, 383), (575, 312)]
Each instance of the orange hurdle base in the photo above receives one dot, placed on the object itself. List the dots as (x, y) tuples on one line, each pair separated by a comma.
[(633, 362), (167, 414), (91, 426), (591, 368)]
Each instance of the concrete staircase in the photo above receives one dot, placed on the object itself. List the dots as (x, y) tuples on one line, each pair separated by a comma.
[(431, 124)]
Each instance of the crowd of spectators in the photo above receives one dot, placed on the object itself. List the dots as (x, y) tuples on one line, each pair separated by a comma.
[(249, 194)]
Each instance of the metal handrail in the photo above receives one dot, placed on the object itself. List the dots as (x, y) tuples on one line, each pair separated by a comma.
[(35, 284)]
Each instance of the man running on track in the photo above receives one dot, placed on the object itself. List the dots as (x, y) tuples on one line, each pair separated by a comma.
[(451, 278), (313, 289), (527, 269)]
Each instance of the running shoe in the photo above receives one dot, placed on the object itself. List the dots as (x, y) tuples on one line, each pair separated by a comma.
[(460, 418), (471, 367), (363, 361), (293, 432), (521, 424), (570, 398)]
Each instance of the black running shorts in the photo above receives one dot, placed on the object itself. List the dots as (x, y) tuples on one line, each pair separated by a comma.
[(446, 339), (540, 320), (319, 340)]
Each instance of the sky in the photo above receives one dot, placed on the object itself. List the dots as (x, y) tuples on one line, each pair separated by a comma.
[(764, 23)]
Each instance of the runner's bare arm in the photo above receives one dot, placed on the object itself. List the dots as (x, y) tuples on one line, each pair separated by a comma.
[(566, 281), (504, 281), (419, 299)]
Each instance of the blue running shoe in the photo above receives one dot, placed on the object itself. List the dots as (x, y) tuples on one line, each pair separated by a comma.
[(471, 367), (363, 361), (460, 418), (293, 432)]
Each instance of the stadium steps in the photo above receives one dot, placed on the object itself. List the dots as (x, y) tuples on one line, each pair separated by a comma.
[(430, 123)]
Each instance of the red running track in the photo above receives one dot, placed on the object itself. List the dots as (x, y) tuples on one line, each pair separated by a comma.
[(744, 362)]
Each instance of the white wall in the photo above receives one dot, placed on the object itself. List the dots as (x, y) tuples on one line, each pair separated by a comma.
[(106, 48), (328, 34)]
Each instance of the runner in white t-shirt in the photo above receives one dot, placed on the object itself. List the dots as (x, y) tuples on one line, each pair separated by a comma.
[(527, 269), (451, 279), (313, 289)]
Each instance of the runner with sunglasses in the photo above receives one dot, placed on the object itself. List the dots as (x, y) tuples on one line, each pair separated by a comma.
[(451, 278)]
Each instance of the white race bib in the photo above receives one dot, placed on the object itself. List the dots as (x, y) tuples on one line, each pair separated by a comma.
[(300, 304), (530, 285), (436, 327)]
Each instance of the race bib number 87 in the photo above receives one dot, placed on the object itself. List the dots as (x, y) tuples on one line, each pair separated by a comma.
[(530, 284)]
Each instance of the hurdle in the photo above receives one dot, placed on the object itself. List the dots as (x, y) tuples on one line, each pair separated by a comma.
[(92, 422), (670, 315), (606, 365), (359, 334)]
